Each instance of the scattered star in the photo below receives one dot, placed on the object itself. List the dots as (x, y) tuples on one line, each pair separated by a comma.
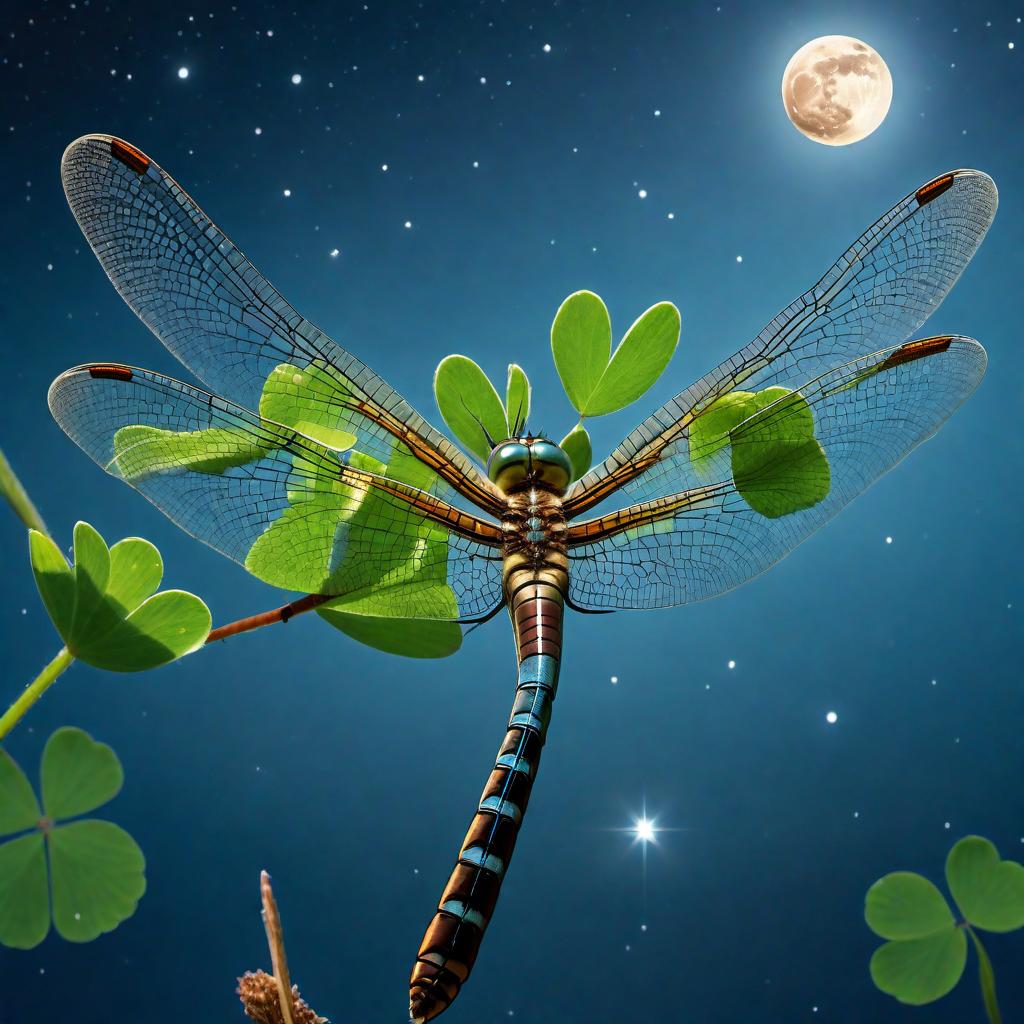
[(739, 259), (732, 664), (296, 79), (642, 193), (546, 47), (287, 192), (258, 131), (615, 680), (183, 72), (831, 718), (408, 224), (335, 253)]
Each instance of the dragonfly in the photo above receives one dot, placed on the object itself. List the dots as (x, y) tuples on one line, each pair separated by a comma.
[(297, 461)]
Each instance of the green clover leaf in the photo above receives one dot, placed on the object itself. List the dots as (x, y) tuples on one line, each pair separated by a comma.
[(397, 619), (576, 444), (88, 875), (927, 951), (927, 955), (988, 891), (517, 399), (596, 380), (469, 404), (777, 464), (105, 607)]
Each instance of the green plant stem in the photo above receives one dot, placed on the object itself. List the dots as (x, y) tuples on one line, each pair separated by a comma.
[(12, 490), (987, 978), (34, 691)]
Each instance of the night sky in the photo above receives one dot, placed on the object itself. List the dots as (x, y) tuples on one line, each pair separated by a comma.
[(434, 178)]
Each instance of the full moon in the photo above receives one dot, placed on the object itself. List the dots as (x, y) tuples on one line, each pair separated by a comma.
[(836, 90)]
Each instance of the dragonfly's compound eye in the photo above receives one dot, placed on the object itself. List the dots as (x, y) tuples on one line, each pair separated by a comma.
[(509, 464), (551, 465)]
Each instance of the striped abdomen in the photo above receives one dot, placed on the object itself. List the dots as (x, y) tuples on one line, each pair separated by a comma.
[(452, 940)]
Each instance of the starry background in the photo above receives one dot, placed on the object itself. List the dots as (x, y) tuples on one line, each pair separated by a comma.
[(439, 178)]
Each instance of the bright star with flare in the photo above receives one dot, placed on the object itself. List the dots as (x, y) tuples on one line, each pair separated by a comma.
[(645, 830)]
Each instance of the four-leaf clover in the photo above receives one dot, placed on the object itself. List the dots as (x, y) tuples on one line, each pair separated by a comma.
[(88, 874)]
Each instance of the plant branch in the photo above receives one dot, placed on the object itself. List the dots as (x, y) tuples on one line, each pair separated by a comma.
[(34, 691), (987, 978), (15, 493), (282, 614)]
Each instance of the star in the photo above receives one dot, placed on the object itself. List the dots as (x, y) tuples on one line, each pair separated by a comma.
[(645, 830)]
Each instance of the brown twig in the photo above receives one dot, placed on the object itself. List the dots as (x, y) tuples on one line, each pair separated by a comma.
[(275, 940), (273, 999), (282, 614)]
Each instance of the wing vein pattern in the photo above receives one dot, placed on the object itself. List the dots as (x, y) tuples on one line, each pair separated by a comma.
[(222, 319), (876, 295), (296, 513)]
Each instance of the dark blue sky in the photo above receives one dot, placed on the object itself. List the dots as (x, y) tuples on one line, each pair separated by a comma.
[(351, 776)]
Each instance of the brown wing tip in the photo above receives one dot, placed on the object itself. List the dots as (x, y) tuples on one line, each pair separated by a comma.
[(919, 350), (926, 193), (110, 371), (134, 158)]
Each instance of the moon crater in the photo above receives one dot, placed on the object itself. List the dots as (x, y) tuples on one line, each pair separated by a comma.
[(836, 90)]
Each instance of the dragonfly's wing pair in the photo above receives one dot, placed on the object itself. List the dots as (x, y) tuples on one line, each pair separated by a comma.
[(698, 531), (771, 483), (333, 484)]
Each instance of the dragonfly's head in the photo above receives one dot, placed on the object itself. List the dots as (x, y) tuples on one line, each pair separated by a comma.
[(521, 462)]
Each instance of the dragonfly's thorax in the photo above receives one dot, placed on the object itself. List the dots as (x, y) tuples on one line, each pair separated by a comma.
[(534, 524)]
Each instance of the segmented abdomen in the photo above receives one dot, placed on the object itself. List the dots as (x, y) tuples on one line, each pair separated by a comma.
[(452, 940)]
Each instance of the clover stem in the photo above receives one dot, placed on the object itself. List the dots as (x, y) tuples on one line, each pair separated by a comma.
[(283, 614), (987, 978), (15, 493), (34, 691)]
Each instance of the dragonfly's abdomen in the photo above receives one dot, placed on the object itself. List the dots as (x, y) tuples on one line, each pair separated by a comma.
[(535, 597)]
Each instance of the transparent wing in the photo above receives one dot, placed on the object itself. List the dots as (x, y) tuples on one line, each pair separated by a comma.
[(877, 294), (295, 513), (220, 317), (772, 479)]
